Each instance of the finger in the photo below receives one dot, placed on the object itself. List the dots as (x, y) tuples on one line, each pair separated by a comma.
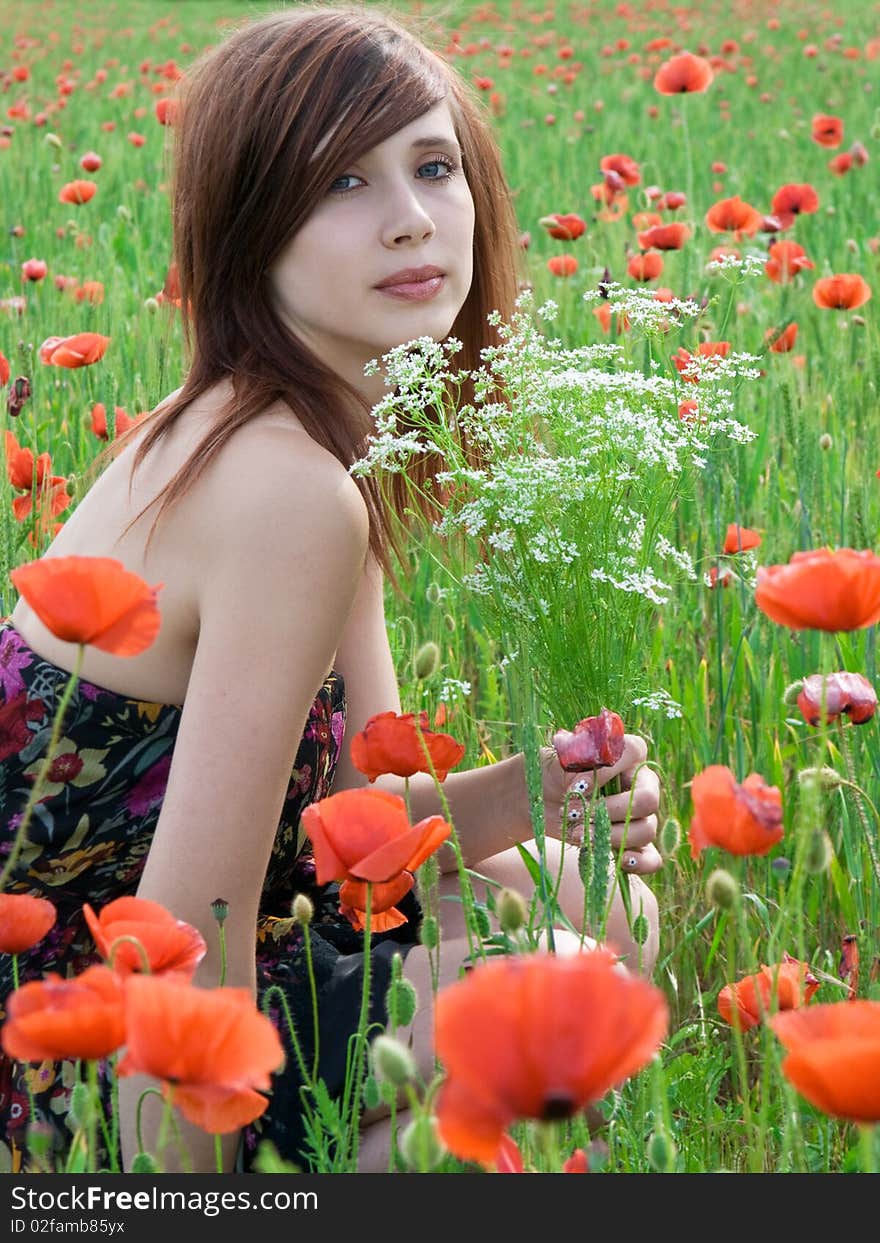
[(642, 862), (642, 800), (634, 836), (635, 752)]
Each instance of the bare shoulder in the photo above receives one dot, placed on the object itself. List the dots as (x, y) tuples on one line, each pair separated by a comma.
[(281, 499)]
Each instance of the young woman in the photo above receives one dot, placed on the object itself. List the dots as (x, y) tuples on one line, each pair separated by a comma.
[(337, 192)]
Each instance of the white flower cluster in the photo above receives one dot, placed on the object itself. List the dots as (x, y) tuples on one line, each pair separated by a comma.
[(642, 309), (453, 690), (659, 701), (750, 264)]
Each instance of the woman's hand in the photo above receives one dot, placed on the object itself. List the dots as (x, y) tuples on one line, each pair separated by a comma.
[(640, 798)]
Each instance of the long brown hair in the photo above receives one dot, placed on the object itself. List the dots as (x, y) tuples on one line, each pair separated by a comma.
[(251, 113)]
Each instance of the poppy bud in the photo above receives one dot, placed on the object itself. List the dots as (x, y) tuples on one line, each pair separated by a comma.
[(858, 320), (124, 213), (82, 1105), (722, 889), (790, 696), (52, 140), (670, 837), (19, 392), (825, 442), (371, 1093), (420, 1144), (427, 661), (151, 305), (429, 934), (449, 622), (392, 1061), (824, 777), (302, 909), (401, 1001), (661, 1152), (143, 1163), (432, 595), (511, 910)]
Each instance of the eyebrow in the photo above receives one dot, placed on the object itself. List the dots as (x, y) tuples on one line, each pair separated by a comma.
[(434, 140)]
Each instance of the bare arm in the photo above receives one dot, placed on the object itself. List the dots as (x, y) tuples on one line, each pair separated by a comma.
[(274, 594)]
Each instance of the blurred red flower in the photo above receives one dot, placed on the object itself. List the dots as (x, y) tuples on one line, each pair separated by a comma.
[(169, 944), (77, 191), (565, 228), (740, 539), (664, 237), (733, 215), (827, 130), (683, 74), (24, 920), (538, 1036), (562, 265), (742, 819), (822, 590), (781, 341), (390, 743), (80, 350), (785, 261), (57, 1018), (624, 165), (793, 200), (833, 1057), (646, 267), (843, 292)]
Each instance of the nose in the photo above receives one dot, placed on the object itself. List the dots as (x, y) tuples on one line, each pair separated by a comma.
[(407, 218)]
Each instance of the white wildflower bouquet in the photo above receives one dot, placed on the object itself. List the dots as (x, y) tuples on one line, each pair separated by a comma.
[(564, 501)]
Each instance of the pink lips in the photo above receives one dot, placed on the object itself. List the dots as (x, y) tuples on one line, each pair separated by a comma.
[(413, 284)]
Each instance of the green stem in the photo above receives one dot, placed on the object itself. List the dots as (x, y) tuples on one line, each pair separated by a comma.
[(354, 1076), (866, 1149), (34, 796)]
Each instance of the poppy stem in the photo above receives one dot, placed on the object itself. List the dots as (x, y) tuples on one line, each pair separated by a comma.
[(354, 1070), (867, 831), (34, 796), (142, 953)]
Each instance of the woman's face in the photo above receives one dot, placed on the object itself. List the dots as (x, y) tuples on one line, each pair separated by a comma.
[(403, 205)]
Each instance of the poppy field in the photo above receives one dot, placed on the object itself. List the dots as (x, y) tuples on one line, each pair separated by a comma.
[(676, 529)]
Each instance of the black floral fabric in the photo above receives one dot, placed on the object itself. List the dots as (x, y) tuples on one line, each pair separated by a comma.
[(88, 841)]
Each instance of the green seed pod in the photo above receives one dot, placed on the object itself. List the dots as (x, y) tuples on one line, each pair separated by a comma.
[(39, 1139), (371, 1093), (420, 1144), (641, 929), (481, 920), (825, 442), (818, 852), (511, 910), (81, 1105), (220, 909), (401, 1002), (670, 837), (151, 305), (143, 1163), (52, 140), (791, 693), (449, 622), (427, 660), (392, 1061), (302, 909), (432, 595), (661, 1152), (722, 889), (430, 933)]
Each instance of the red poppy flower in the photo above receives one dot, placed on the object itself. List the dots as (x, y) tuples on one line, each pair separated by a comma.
[(781, 341), (733, 215), (52, 499), (565, 228), (793, 200), (843, 292), (785, 261), (595, 742), (23, 921), (646, 267), (90, 162), (742, 819), (822, 590), (719, 578), (212, 1048), (624, 165), (166, 111), (80, 350), (562, 265), (740, 539), (672, 200), (603, 314), (840, 164), (91, 600), (99, 420), (77, 192), (90, 291), (34, 269), (509, 1160), (785, 986), (169, 944), (538, 1036), (5, 370), (690, 366), (55, 1018), (664, 237), (20, 465), (834, 1057), (389, 743), (847, 693), (683, 74), (364, 836), (827, 130)]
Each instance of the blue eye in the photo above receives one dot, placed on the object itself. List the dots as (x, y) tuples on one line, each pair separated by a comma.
[(443, 161)]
